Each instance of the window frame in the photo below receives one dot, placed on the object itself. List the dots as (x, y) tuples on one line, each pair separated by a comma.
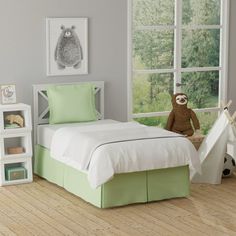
[(177, 69)]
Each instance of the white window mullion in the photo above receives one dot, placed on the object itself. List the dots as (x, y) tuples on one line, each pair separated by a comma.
[(166, 113), (130, 61), (188, 69), (178, 44), (155, 27), (151, 114), (224, 47), (156, 71), (201, 69), (201, 27)]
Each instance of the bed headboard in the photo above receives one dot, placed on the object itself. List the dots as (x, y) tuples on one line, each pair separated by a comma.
[(41, 109)]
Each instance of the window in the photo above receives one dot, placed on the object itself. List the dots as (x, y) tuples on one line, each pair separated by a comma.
[(177, 46)]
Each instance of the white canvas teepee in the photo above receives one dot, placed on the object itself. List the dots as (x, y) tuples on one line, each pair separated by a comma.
[(213, 149)]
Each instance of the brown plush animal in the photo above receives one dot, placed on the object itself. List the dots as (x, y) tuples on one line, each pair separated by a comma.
[(179, 120)]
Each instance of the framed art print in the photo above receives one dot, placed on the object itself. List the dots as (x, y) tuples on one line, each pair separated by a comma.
[(8, 94), (67, 46)]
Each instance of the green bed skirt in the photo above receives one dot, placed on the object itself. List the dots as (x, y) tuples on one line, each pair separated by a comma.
[(123, 189)]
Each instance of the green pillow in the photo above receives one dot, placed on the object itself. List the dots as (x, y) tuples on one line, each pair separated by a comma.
[(71, 103)]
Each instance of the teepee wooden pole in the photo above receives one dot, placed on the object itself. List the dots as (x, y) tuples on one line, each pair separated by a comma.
[(234, 116), (226, 107)]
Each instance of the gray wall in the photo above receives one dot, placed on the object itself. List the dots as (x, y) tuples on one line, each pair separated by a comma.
[(22, 46), (232, 56)]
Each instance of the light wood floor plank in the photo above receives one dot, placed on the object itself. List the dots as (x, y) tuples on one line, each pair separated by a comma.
[(179, 212), (95, 222), (207, 224), (20, 215), (12, 223), (160, 215), (202, 210), (42, 208), (117, 222), (59, 224), (68, 213), (4, 230), (35, 216), (170, 221)]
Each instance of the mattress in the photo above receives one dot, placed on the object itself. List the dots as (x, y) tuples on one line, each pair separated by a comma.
[(46, 132)]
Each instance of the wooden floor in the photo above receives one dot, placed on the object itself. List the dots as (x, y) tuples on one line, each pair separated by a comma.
[(42, 208)]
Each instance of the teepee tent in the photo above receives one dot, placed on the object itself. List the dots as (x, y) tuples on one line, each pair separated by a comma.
[(213, 149)]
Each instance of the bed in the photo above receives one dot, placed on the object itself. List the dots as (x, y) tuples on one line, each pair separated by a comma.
[(122, 188)]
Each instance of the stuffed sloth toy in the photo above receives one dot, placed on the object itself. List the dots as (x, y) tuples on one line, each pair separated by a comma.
[(179, 120)]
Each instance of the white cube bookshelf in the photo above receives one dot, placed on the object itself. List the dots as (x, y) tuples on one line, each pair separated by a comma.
[(11, 138), (19, 162), (17, 109)]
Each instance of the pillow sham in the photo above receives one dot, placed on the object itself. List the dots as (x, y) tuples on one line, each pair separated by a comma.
[(71, 103)]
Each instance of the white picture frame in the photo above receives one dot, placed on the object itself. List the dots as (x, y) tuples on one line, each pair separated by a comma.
[(67, 46), (8, 93)]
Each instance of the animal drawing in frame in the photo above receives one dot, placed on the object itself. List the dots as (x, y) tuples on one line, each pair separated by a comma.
[(67, 46)]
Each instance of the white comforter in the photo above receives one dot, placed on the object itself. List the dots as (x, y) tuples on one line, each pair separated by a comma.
[(105, 149)]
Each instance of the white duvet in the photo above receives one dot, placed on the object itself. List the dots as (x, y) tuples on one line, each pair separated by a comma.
[(105, 149)]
